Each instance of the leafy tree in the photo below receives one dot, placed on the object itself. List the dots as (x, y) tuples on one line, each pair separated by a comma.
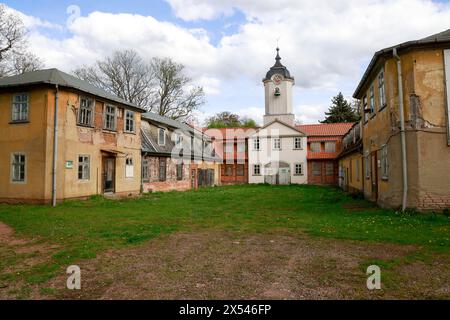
[(229, 120), (340, 111)]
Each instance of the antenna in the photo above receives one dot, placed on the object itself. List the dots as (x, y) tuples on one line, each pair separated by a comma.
[(278, 42)]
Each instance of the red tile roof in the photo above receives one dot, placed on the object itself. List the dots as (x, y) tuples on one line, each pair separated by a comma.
[(326, 129)]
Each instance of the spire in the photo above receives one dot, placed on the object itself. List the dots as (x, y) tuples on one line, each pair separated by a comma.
[(278, 59)]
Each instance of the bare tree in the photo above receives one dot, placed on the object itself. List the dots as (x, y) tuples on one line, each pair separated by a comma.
[(124, 73), (175, 97), (14, 57)]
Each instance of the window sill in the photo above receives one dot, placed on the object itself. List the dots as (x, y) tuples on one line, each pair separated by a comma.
[(129, 132), (20, 122), (385, 178), (257, 175), (299, 175), (109, 130), (85, 125)]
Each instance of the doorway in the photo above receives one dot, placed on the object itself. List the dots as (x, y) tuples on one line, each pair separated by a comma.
[(109, 174)]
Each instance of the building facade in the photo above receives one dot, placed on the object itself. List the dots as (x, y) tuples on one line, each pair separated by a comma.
[(278, 150), (404, 96), (230, 144), (176, 156), (324, 147), (97, 145), (351, 177)]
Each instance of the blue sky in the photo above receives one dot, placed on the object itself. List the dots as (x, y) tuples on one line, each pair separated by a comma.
[(228, 46)]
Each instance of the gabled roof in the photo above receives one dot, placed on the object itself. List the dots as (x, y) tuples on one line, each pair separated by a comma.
[(441, 38), (57, 77), (325, 129), (280, 122)]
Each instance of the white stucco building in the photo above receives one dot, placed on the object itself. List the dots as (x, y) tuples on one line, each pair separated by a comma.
[(278, 151)]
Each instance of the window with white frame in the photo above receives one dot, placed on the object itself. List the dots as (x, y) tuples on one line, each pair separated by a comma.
[(20, 107), (299, 169), (381, 90), (298, 143), (257, 170), (18, 163), (178, 139), (129, 168), (162, 136), (241, 147), (366, 114), (256, 144), (277, 143), (372, 100), (84, 167), (110, 118), (317, 169), (316, 146), (129, 121), (86, 112), (330, 146), (384, 162)]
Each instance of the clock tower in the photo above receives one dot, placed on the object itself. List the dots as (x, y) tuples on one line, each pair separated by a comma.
[(278, 85)]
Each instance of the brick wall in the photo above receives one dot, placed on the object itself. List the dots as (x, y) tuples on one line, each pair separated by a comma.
[(153, 184), (234, 178), (429, 202), (323, 178)]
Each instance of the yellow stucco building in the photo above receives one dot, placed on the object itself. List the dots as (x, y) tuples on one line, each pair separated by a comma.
[(98, 145), (404, 96)]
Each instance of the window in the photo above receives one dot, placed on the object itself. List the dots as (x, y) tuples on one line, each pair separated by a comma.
[(162, 169), (145, 171), (241, 147), (110, 118), (316, 146), (256, 144), (162, 136), (240, 170), (358, 168), (20, 107), (86, 112), (330, 146), (299, 169), (317, 169), (372, 100), (381, 90), (366, 114), (18, 167), (180, 168), (367, 166), (229, 170), (277, 143), (129, 168), (129, 121), (229, 148), (178, 139), (84, 168), (329, 169), (351, 170), (298, 143), (384, 162), (257, 170)]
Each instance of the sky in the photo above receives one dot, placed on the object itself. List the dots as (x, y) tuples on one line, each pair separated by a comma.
[(228, 46)]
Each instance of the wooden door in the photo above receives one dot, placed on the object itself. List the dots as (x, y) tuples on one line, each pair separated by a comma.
[(109, 174)]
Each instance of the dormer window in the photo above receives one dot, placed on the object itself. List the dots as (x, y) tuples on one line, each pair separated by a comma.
[(162, 136)]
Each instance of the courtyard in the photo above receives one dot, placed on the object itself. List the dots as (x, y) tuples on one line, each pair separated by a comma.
[(239, 242)]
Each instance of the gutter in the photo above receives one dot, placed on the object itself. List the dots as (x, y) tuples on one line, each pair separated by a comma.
[(55, 147), (402, 129)]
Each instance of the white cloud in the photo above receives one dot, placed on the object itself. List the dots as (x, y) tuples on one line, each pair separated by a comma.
[(310, 114), (324, 44)]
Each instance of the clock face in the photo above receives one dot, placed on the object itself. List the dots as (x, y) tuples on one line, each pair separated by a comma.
[(277, 79)]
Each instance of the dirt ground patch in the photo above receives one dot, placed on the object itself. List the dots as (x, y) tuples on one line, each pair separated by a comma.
[(225, 265)]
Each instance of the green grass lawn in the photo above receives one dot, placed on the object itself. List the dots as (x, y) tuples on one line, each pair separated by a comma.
[(83, 229)]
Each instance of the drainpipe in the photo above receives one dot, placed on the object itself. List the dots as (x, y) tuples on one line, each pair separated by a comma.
[(55, 147), (402, 129)]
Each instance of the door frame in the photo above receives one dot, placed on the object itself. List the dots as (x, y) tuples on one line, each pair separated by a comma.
[(105, 160)]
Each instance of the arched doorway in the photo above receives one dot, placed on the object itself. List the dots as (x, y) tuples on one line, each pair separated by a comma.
[(277, 173)]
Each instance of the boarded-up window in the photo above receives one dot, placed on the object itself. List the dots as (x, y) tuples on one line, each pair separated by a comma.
[(330, 146), (329, 169), (129, 168), (317, 169), (316, 147), (162, 169), (180, 169), (240, 170), (145, 171)]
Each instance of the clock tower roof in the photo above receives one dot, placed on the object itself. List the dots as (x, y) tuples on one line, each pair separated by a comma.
[(278, 68)]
